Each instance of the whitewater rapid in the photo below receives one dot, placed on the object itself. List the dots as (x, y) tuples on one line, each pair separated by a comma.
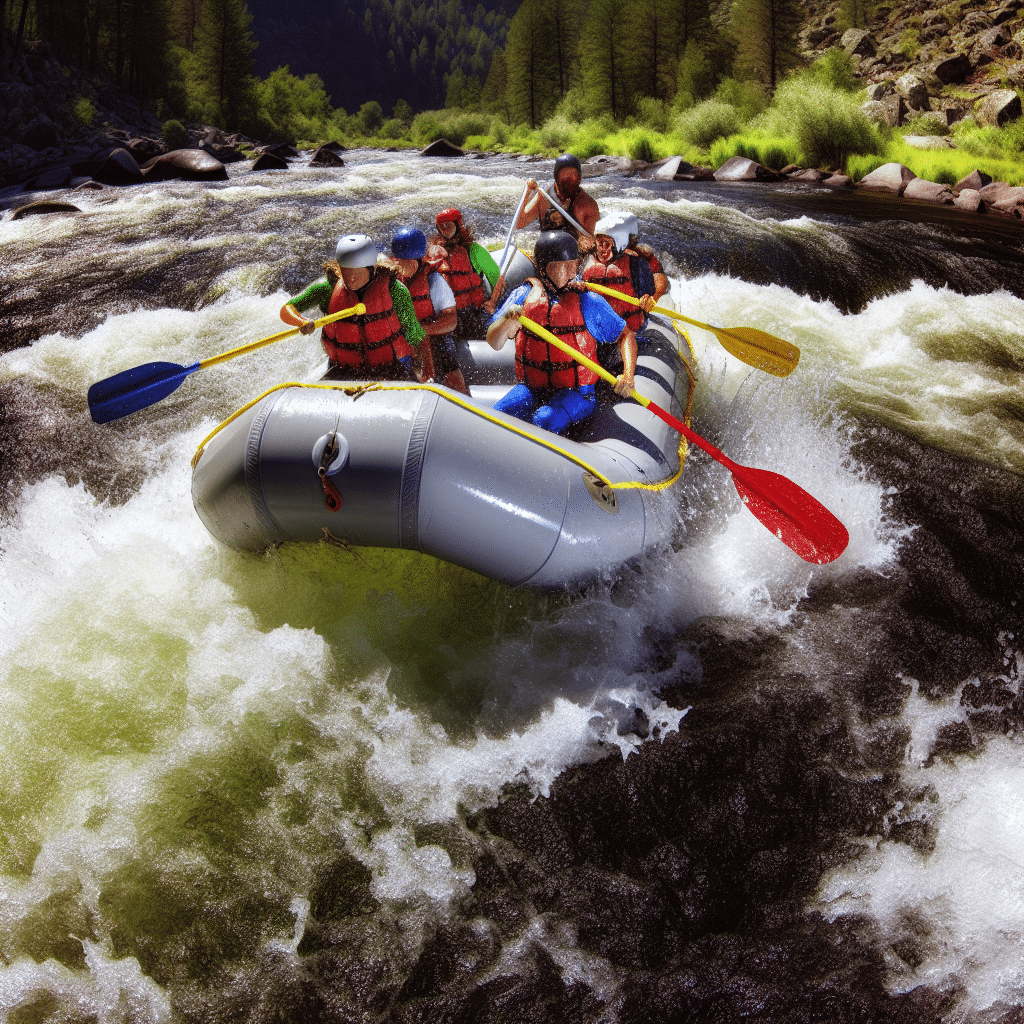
[(191, 736)]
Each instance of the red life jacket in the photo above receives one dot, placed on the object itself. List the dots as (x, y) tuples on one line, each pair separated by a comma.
[(371, 340), (616, 275), (419, 289), (646, 252), (467, 284), (541, 365)]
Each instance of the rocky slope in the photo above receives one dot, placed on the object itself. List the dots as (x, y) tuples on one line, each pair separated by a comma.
[(937, 63)]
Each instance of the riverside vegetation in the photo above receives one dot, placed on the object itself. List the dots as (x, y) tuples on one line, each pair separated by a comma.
[(569, 78)]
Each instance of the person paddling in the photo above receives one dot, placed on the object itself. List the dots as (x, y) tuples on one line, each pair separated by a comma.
[(434, 304), (555, 391), (579, 204), (616, 266), (469, 269), (377, 345)]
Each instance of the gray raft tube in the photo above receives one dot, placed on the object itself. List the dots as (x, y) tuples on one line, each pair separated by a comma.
[(426, 469)]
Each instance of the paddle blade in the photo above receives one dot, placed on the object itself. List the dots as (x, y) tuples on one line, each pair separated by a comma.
[(799, 520), (130, 390), (759, 349)]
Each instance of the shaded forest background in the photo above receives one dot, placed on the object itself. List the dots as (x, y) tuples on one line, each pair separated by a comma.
[(705, 79), (296, 69)]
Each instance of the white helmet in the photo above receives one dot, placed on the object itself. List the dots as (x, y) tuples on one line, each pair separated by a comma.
[(618, 226), (355, 251)]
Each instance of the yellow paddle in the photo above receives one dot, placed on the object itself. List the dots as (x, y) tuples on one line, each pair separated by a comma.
[(755, 348), (141, 386), (797, 518)]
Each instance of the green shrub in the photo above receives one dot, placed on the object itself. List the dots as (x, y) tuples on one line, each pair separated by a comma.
[(748, 98), (828, 124), (174, 135), (695, 77), (556, 132), (653, 113), (836, 69), (909, 46), (641, 148), (703, 124), (925, 125), (84, 111)]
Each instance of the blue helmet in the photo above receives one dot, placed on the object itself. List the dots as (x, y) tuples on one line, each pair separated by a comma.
[(409, 244)]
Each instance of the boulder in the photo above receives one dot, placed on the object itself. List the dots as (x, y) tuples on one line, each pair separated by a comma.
[(976, 21), (999, 107), (185, 165), (334, 147), (269, 162), (811, 174), (969, 199), (954, 69), (974, 181), (280, 149), (324, 157), (604, 164), (1006, 12), (887, 111), (875, 91), (144, 149), (119, 168), (931, 191), (929, 142), (56, 177), (44, 206), (667, 169), (739, 168), (839, 181), (442, 147), (857, 42), (41, 133), (892, 177), (1003, 198), (913, 90), (225, 153)]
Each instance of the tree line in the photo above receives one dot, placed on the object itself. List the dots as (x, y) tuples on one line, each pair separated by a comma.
[(197, 60), (592, 58)]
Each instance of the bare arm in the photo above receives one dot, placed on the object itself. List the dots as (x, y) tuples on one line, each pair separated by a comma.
[(625, 382), (501, 330)]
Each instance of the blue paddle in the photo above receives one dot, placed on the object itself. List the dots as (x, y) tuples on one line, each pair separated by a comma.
[(141, 386)]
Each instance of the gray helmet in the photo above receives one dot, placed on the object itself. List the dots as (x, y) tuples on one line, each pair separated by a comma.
[(554, 247), (355, 251), (618, 226)]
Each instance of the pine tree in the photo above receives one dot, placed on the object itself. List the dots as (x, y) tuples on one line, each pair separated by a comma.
[(224, 52), (604, 56), (531, 64), (767, 34)]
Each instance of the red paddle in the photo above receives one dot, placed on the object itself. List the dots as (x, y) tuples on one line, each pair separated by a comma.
[(799, 520)]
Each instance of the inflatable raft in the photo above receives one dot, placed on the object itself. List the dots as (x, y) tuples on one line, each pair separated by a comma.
[(422, 467)]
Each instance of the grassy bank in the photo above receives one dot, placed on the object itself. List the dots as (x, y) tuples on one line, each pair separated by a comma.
[(813, 120)]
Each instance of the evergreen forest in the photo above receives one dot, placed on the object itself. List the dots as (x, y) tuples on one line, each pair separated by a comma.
[(705, 79)]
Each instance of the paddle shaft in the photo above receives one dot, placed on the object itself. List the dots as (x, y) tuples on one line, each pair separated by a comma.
[(356, 310), (505, 255), (564, 212)]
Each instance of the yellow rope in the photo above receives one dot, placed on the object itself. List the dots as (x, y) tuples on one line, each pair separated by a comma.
[(457, 399)]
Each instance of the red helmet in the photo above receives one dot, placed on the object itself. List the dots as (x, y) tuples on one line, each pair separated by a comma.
[(450, 214)]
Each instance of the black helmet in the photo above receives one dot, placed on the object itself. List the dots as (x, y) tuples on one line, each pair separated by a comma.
[(567, 160), (554, 247)]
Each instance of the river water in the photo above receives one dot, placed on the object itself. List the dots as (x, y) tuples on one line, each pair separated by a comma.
[(318, 784)]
